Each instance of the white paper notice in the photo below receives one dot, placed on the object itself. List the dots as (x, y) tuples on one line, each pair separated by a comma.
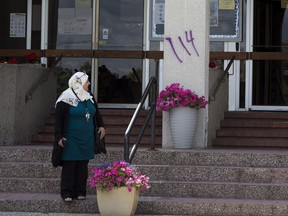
[(71, 21), (18, 25), (284, 3)]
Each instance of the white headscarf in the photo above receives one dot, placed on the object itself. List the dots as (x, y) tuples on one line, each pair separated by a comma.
[(75, 83)]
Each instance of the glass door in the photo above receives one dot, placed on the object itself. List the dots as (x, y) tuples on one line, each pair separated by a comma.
[(110, 28), (121, 25), (70, 28), (270, 37)]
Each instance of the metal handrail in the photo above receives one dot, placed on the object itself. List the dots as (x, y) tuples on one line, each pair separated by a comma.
[(151, 115), (38, 82), (220, 80)]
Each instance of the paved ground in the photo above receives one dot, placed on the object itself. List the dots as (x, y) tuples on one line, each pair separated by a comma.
[(42, 214), (52, 214)]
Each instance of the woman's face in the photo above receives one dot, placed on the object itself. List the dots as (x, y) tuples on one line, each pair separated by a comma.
[(86, 85)]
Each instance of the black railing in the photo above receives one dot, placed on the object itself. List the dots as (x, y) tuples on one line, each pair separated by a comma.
[(220, 80), (151, 88)]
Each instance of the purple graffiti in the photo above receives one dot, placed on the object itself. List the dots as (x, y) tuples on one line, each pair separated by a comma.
[(169, 39), (189, 38), (180, 39)]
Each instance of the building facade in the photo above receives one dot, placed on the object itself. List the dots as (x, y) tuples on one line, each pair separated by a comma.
[(121, 44)]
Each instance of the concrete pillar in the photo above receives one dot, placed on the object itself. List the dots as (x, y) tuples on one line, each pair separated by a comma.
[(186, 57)]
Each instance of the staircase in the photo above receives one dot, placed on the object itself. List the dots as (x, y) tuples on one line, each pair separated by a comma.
[(210, 182), (116, 122), (253, 129)]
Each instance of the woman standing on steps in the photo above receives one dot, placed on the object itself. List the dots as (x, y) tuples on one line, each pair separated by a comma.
[(76, 118)]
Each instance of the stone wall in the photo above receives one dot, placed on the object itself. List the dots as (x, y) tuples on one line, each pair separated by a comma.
[(19, 119), (219, 105)]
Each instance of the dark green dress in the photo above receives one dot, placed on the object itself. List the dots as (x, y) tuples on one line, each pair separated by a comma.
[(80, 133)]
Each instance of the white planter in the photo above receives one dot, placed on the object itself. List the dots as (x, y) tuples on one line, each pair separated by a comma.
[(183, 123), (118, 202)]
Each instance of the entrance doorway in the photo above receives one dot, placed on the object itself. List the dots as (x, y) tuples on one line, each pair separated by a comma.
[(270, 35), (111, 37), (120, 28)]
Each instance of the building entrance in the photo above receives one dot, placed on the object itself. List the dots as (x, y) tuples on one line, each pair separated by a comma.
[(120, 28), (106, 32)]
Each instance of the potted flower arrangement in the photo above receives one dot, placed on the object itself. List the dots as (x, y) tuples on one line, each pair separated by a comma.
[(7, 60), (30, 58), (115, 182), (182, 105), (175, 95)]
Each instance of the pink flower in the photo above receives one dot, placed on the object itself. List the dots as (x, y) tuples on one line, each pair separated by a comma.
[(114, 172), (118, 174), (13, 61), (31, 58), (176, 96), (212, 64)]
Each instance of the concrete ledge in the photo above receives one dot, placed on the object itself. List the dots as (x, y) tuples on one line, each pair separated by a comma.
[(19, 119)]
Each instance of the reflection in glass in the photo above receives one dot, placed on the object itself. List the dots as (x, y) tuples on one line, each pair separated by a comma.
[(119, 80), (225, 20), (121, 24), (120, 28), (270, 78), (216, 46), (67, 67), (242, 92), (70, 27)]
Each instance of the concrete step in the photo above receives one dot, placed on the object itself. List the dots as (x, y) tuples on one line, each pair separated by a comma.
[(221, 190), (256, 115), (216, 174), (125, 112), (253, 129), (191, 157), (254, 123), (113, 139), (119, 130), (162, 173), (44, 214), (115, 129), (255, 132), (194, 182), (55, 214), (251, 142), (112, 120), (215, 170), (50, 203), (116, 122)]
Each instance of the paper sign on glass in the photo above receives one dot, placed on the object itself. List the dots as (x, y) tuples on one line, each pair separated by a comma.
[(284, 3), (18, 25), (227, 4), (105, 34), (214, 8), (82, 3)]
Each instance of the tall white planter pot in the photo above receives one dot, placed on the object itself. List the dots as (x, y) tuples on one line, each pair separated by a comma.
[(183, 123), (118, 202)]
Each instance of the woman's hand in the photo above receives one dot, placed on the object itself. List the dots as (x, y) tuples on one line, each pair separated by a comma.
[(102, 132), (62, 142)]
